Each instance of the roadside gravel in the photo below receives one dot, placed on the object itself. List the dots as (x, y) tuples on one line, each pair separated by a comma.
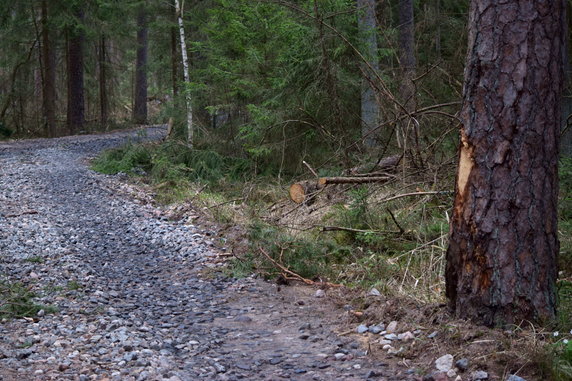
[(132, 298)]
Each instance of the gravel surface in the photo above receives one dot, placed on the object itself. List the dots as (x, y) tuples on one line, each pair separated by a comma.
[(136, 294)]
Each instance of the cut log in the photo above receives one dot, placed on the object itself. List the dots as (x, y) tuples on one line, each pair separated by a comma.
[(304, 191), (352, 180)]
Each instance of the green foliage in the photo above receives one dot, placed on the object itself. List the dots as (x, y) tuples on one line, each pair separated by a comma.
[(16, 301), (308, 258), (123, 159), (173, 162)]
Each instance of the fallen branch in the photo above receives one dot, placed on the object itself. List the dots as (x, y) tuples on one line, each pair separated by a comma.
[(21, 214), (293, 274), (351, 230), (352, 180), (310, 168), (413, 194)]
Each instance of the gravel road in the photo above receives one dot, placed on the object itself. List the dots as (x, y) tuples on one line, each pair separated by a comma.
[(136, 294)]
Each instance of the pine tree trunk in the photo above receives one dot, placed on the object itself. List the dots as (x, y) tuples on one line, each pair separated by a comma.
[(140, 104), (370, 111), (76, 103), (49, 80), (186, 75), (502, 255), (103, 98)]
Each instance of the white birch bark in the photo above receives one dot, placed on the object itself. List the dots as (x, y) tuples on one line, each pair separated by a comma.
[(186, 75)]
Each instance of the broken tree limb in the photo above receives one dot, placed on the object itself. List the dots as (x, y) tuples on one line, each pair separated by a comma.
[(304, 192), (293, 274), (310, 168), (352, 180)]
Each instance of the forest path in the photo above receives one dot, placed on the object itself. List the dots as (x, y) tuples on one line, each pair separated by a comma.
[(130, 287)]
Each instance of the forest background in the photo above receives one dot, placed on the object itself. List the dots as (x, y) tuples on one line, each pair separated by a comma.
[(272, 85)]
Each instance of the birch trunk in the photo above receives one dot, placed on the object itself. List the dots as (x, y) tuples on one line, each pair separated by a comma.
[(186, 75)]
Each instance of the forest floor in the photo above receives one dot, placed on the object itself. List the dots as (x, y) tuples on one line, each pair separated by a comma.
[(108, 286)]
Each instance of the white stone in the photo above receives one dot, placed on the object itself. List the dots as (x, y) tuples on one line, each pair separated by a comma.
[(391, 327), (444, 363)]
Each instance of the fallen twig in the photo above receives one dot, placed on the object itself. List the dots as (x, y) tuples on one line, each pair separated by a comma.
[(292, 273), (21, 214)]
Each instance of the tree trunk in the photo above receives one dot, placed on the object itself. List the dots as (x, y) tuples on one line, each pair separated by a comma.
[(103, 98), (186, 74), (140, 104), (408, 135), (49, 80), (502, 255), (369, 106), (76, 104), (174, 60)]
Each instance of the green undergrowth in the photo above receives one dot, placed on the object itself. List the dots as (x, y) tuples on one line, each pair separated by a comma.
[(17, 301), (172, 167)]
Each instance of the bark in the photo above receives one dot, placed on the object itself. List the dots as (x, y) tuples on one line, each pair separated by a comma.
[(502, 255), (174, 60), (186, 74), (76, 103), (103, 98), (49, 77), (370, 111), (408, 136), (140, 102)]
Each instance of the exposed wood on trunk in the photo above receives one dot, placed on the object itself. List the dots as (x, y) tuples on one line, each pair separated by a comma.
[(186, 74)]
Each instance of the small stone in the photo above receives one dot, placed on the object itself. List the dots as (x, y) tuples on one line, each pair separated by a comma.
[(243, 366), (514, 377), (406, 336), (479, 375), (275, 360), (373, 374), (362, 328), (394, 351), (391, 336), (320, 293), (375, 329), (444, 363), (451, 373), (437, 376), (243, 319), (374, 292), (462, 364), (41, 313), (391, 327), (432, 335), (385, 342), (340, 356)]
